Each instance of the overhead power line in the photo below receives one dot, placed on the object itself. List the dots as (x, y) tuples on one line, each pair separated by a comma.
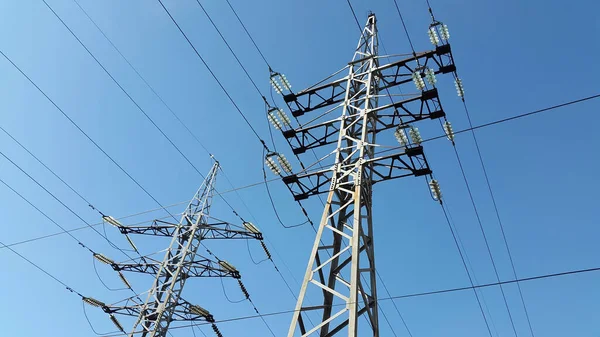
[(123, 90), (248, 33), (276, 179), (213, 75), (80, 129), (142, 78), (419, 294), (42, 270), (229, 47), (464, 263)]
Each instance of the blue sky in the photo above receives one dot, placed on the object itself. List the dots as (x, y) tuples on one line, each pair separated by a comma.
[(513, 56)]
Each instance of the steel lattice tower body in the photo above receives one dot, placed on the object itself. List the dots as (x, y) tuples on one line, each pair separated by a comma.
[(341, 266)]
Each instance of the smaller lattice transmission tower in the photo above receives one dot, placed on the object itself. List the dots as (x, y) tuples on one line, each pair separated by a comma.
[(163, 303)]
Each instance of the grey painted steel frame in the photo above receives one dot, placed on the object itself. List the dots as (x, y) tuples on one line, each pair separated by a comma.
[(347, 214)]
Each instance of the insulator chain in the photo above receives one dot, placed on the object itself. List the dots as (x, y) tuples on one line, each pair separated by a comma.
[(279, 82), (264, 246), (216, 330), (460, 90), (434, 37), (276, 166), (401, 137), (244, 290), (116, 323), (415, 135), (434, 186), (449, 131), (278, 118)]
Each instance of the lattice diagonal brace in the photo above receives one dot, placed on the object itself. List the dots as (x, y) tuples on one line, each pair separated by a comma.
[(164, 297), (346, 276)]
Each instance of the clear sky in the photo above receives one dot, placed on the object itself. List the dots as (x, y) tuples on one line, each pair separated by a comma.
[(513, 56)]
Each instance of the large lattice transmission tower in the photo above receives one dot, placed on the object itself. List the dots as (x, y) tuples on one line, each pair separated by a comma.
[(163, 303), (341, 268)]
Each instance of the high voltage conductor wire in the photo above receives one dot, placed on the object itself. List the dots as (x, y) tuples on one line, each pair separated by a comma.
[(79, 128), (248, 33), (479, 222), (415, 295), (462, 257), (259, 93), (141, 77), (59, 201), (70, 289), (487, 180), (275, 179), (229, 47), (213, 75)]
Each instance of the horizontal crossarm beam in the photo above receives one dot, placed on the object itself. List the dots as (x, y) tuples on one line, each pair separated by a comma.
[(409, 162), (391, 74)]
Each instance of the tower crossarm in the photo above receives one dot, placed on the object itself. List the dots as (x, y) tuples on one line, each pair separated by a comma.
[(199, 267), (185, 311), (425, 105), (215, 229), (390, 74)]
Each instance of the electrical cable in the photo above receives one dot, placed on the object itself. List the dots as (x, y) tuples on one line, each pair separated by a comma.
[(479, 222), (466, 269), (158, 96), (123, 89), (248, 33), (229, 47), (487, 180), (412, 47), (255, 86), (141, 77), (420, 294), (70, 289), (470, 265), (394, 303), (79, 128), (59, 201), (49, 170), (58, 225), (502, 120)]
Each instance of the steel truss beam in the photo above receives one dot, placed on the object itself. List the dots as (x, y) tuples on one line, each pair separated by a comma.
[(199, 267), (210, 230), (391, 75), (424, 106), (410, 162), (135, 308)]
